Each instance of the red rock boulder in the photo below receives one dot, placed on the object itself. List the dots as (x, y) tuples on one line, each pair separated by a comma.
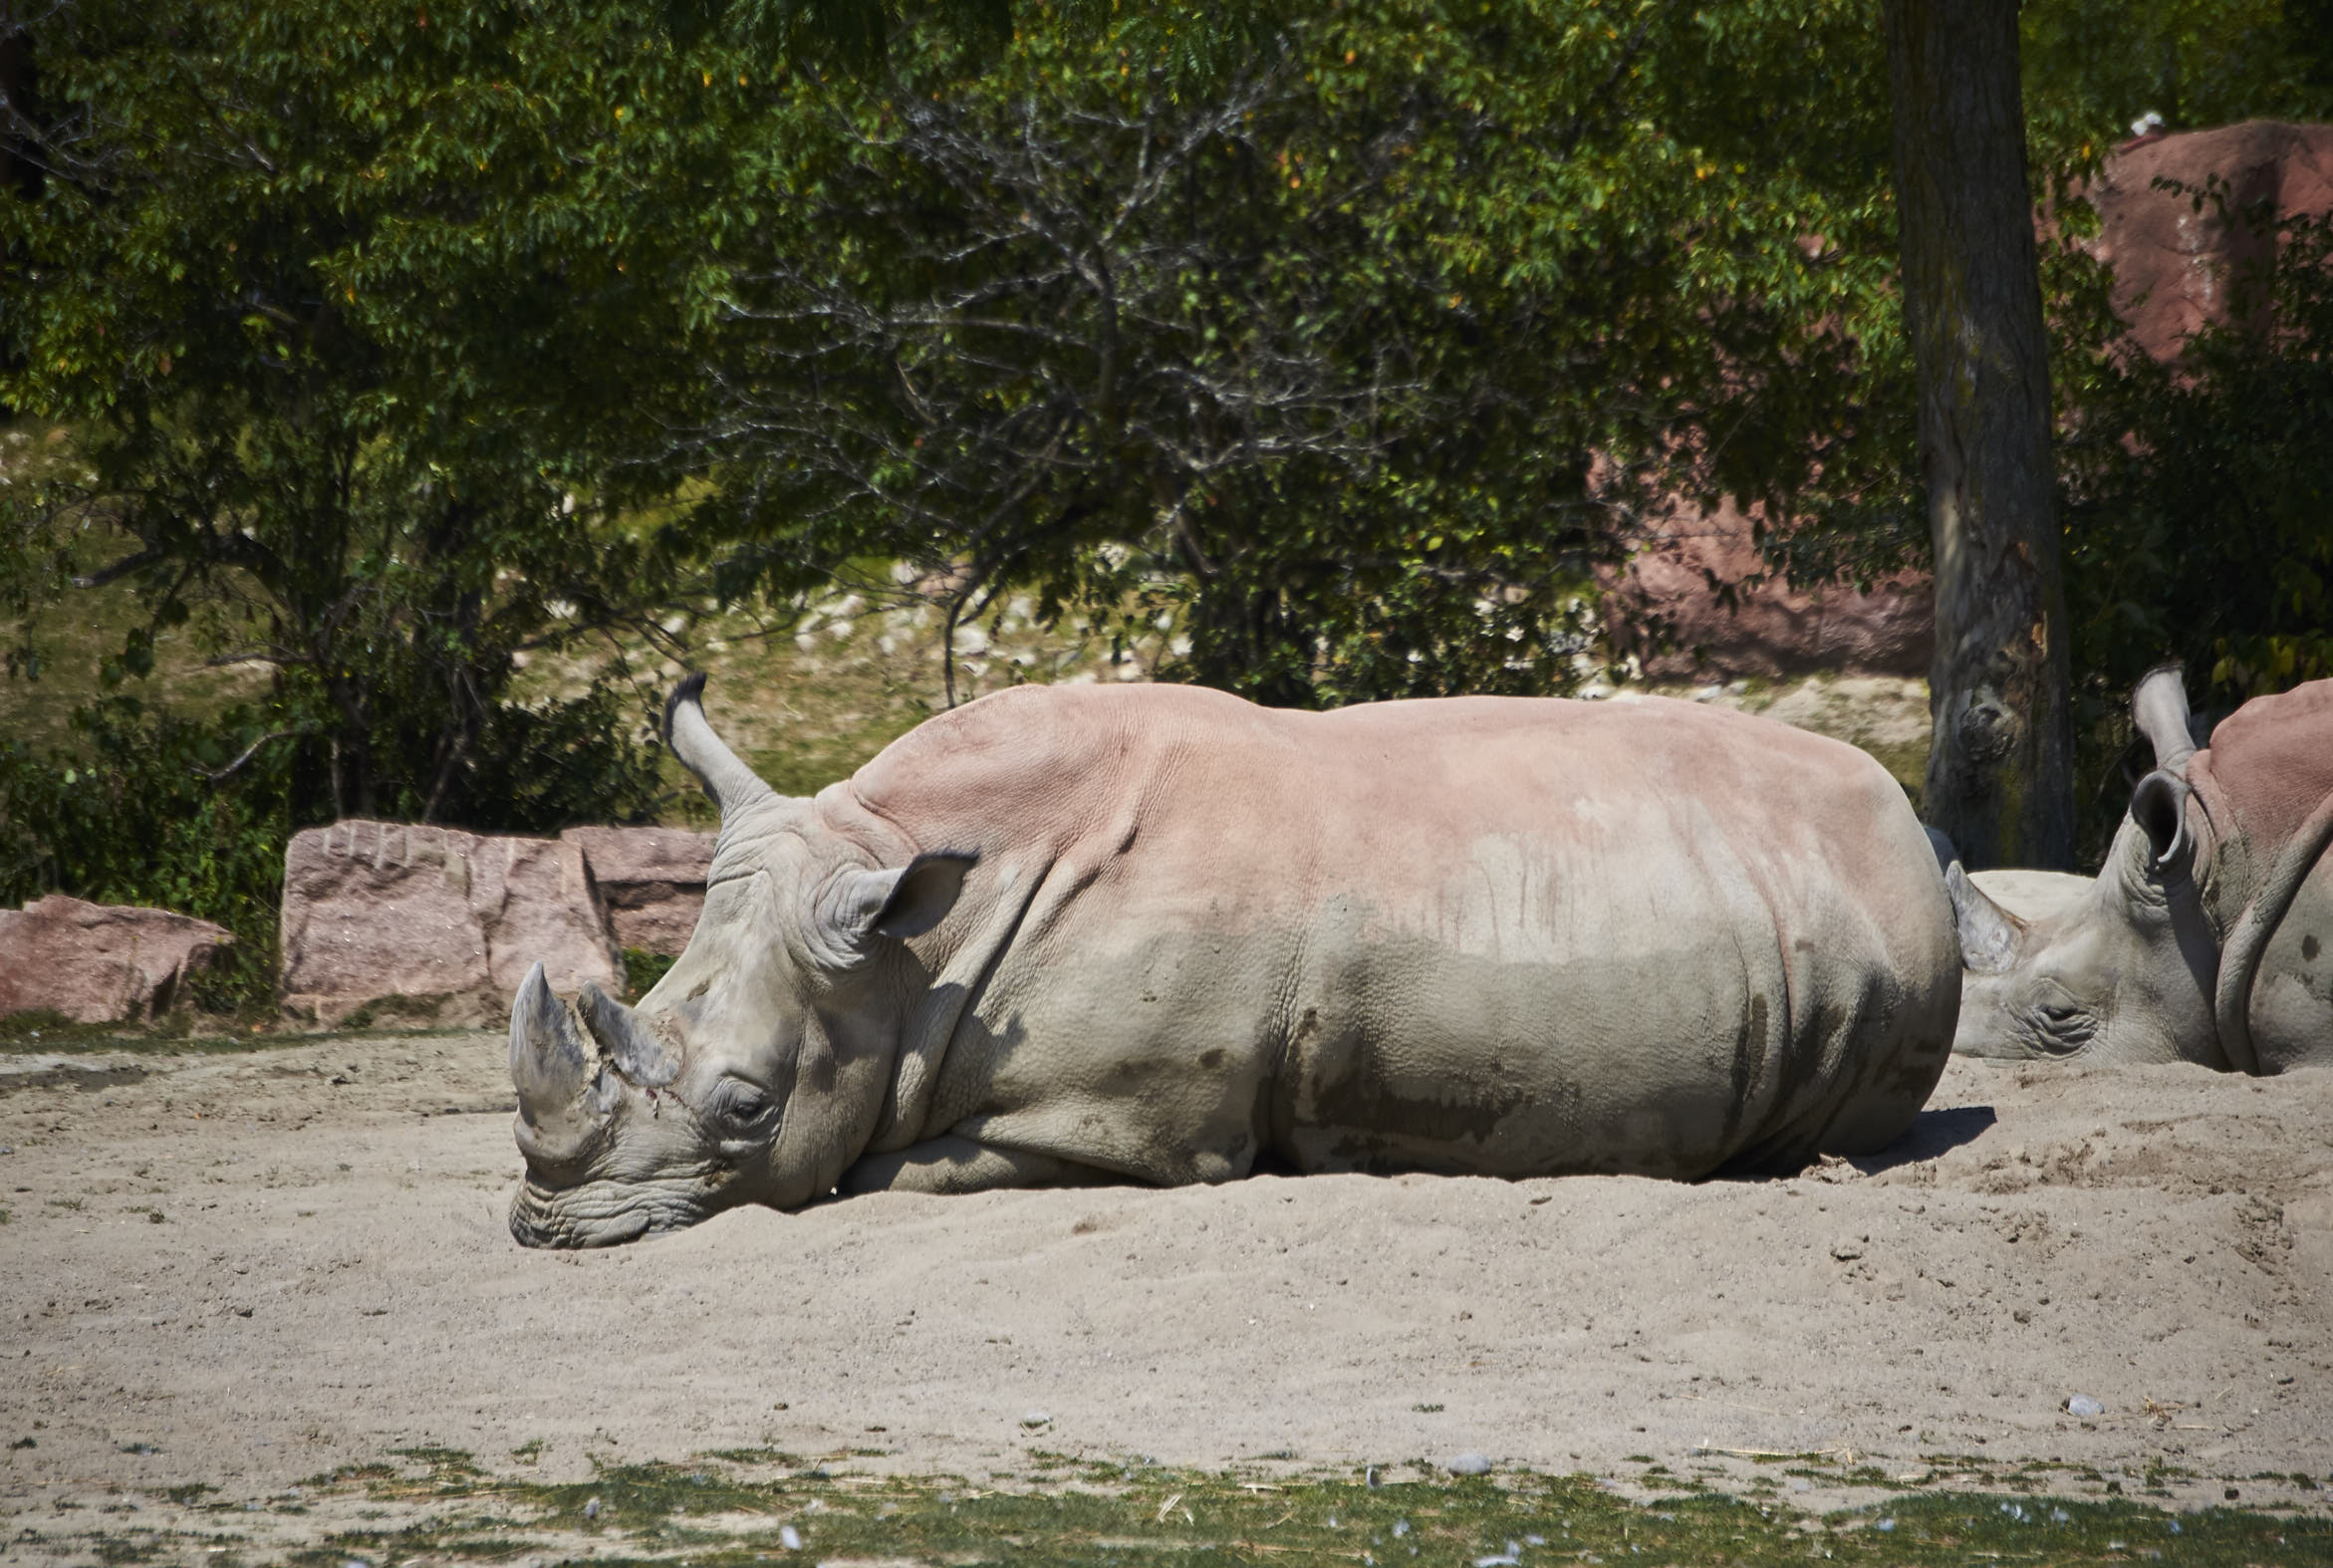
[(1664, 609), (652, 881), (2174, 263), (434, 926), (99, 962)]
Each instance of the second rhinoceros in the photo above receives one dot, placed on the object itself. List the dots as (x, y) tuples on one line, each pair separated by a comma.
[(1159, 934), (2203, 938)]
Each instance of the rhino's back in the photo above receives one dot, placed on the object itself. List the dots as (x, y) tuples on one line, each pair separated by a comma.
[(1495, 934)]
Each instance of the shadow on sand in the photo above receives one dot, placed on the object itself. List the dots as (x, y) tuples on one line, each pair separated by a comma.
[(1933, 1133)]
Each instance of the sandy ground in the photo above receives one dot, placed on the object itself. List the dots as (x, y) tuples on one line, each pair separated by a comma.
[(248, 1269)]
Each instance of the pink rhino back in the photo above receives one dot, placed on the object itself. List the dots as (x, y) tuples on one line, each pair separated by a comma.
[(1683, 930)]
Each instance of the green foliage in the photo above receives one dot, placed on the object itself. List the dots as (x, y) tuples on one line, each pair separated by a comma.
[(643, 969), (2091, 68), (1355, 362), (307, 430), (134, 817), (2196, 496), (314, 433)]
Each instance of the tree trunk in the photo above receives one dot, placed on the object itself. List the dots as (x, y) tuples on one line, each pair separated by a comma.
[(1999, 771)]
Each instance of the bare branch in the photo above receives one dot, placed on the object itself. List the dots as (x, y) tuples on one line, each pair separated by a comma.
[(215, 775)]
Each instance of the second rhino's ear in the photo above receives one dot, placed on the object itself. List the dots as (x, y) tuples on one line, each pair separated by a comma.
[(2158, 805), (856, 909)]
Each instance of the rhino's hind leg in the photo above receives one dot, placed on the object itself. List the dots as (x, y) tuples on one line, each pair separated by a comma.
[(953, 1164)]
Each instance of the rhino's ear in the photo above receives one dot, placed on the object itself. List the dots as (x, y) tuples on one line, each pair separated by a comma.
[(2159, 807), (857, 908)]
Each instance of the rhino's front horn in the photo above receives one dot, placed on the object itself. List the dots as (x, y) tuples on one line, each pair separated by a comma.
[(552, 1069), (1989, 935), (640, 1055)]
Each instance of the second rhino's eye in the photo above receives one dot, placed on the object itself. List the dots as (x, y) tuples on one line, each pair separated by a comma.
[(2063, 1030)]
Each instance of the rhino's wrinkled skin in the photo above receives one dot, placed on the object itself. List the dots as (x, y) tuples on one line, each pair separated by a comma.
[(1156, 933), (2203, 938)]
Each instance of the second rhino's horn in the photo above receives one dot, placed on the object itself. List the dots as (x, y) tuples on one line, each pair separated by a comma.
[(2159, 706), (639, 1055), (1989, 935)]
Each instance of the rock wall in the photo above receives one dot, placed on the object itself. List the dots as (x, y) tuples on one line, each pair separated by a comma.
[(1664, 610), (2172, 266), (422, 924), (652, 881), (2174, 263), (99, 962), (434, 925)]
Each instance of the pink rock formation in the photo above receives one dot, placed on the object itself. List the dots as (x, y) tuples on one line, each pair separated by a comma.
[(99, 962), (2172, 266), (652, 881), (435, 925), (2174, 263), (1771, 629)]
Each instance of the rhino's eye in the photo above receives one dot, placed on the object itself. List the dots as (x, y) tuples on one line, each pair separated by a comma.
[(2063, 1030), (741, 1105)]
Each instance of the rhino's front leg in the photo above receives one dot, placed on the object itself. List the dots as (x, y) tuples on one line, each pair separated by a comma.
[(958, 1165)]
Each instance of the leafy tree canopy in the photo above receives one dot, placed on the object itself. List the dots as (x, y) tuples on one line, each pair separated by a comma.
[(324, 416), (1356, 356)]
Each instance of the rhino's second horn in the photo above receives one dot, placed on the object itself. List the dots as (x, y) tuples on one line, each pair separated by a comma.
[(639, 1055), (732, 785), (2159, 706)]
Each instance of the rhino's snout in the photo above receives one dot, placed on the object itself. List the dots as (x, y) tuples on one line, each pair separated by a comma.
[(595, 1175), (539, 1218)]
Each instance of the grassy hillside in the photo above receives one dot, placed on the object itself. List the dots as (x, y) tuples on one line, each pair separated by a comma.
[(806, 691), (807, 695)]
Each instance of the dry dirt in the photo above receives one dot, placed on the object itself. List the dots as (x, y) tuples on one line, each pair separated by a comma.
[(246, 1269)]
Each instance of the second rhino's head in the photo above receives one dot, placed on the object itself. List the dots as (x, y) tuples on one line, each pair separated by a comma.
[(755, 1071), (2123, 970)]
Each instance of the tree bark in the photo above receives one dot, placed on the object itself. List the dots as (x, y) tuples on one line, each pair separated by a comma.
[(1999, 770)]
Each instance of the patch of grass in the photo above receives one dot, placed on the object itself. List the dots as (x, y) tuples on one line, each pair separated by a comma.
[(191, 1494), (1107, 1512), (642, 970), (45, 1033), (636, 1497)]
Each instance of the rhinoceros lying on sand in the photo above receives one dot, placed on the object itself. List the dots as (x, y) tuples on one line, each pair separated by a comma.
[(2203, 938), (1156, 933)]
